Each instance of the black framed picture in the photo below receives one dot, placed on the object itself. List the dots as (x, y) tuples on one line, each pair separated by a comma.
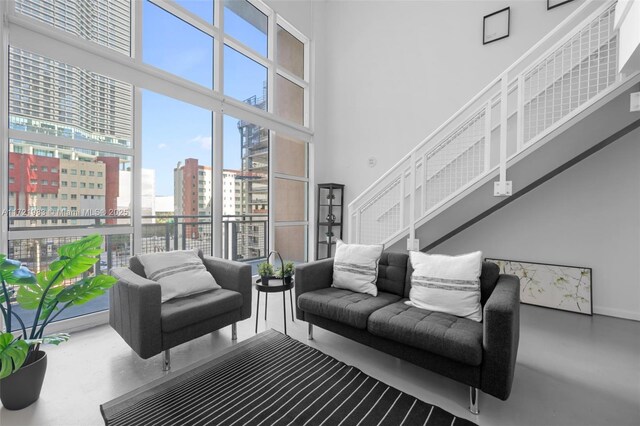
[(555, 3), (496, 25)]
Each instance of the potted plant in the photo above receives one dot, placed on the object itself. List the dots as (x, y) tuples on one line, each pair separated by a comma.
[(328, 234), (265, 270), (49, 292), (286, 272)]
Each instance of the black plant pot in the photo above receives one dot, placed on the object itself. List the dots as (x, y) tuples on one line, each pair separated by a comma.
[(265, 279), (287, 280), (22, 388)]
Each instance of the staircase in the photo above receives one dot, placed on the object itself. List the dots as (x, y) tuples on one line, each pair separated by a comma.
[(540, 115)]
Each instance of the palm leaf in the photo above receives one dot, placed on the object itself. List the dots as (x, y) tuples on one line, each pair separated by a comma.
[(12, 354), (29, 297), (77, 257), (52, 339), (86, 289)]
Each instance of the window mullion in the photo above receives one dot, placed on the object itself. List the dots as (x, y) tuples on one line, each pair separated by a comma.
[(186, 15)]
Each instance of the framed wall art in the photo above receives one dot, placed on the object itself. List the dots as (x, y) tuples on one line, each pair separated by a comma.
[(555, 3), (567, 288), (496, 25)]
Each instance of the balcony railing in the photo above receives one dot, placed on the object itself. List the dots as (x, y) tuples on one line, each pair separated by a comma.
[(244, 237)]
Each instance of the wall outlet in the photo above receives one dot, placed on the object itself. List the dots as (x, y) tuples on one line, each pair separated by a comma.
[(413, 244), (502, 189), (634, 103)]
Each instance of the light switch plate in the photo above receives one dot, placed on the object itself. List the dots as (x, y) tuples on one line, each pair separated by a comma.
[(634, 103), (413, 245)]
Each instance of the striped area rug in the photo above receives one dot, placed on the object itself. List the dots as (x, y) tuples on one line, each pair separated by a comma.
[(271, 379)]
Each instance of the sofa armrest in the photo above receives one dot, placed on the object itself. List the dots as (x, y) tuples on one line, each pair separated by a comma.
[(312, 276), (234, 276), (134, 311), (501, 334)]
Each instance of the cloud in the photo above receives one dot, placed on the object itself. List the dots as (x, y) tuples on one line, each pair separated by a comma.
[(163, 146), (203, 141)]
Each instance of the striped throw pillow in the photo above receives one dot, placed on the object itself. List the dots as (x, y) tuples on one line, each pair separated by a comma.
[(355, 267), (180, 273), (449, 284)]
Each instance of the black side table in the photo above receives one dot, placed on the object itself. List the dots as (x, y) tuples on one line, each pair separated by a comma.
[(281, 288)]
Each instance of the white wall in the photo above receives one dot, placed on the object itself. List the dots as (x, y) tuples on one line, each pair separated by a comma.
[(390, 72), (588, 215)]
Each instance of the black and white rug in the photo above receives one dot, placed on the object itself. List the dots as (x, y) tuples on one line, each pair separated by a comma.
[(272, 379)]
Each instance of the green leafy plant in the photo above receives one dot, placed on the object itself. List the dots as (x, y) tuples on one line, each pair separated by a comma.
[(287, 270), (49, 293), (265, 269)]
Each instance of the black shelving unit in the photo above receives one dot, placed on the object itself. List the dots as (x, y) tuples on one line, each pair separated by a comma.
[(330, 208)]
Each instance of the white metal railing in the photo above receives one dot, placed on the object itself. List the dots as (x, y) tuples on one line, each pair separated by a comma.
[(558, 76)]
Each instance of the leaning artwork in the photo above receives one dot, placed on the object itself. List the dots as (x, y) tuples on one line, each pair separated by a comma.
[(561, 287)]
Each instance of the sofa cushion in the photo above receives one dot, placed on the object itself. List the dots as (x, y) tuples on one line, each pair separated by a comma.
[(392, 271), (355, 267), (180, 273), (437, 332), (185, 311), (344, 306)]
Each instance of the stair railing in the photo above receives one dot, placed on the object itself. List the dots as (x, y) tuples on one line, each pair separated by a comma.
[(570, 68)]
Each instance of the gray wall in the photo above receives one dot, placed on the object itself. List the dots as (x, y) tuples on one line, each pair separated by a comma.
[(390, 72), (588, 215)]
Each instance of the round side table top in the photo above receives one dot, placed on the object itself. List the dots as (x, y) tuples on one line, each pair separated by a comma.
[(275, 286)]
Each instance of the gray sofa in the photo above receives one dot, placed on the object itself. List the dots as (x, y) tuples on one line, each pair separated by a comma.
[(150, 327), (481, 355)]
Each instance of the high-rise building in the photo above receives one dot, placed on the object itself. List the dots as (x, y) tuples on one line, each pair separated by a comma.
[(57, 99)]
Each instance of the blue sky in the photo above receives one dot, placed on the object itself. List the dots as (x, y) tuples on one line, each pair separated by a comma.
[(173, 130)]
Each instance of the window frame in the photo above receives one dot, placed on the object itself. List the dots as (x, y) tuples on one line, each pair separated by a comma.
[(28, 33)]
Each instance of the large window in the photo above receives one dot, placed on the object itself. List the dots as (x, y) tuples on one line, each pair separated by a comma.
[(69, 154), (165, 124), (174, 46), (245, 193), (177, 175)]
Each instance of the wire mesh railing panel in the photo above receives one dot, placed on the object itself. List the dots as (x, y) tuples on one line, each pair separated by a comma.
[(37, 253), (381, 217), (458, 160), (569, 77)]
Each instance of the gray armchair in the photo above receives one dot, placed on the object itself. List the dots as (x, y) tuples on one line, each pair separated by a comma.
[(150, 327)]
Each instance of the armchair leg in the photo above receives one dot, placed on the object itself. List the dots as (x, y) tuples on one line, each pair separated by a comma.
[(234, 331), (310, 333), (473, 400), (166, 360)]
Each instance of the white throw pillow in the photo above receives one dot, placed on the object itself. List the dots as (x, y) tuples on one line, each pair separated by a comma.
[(355, 267), (449, 284), (180, 273)]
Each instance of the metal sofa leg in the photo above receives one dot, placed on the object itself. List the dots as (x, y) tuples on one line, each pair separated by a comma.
[(234, 331), (166, 360), (473, 400), (310, 333)]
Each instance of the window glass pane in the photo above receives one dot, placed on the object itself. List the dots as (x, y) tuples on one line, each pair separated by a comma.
[(176, 47), (177, 180), (289, 203), (50, 97), (291, 242), (38, 253), (291, 156), (245, 79), (247, 24), (290, 52), (289, 101), (201, 8), (245, 195), (75, 196), (107, 22)]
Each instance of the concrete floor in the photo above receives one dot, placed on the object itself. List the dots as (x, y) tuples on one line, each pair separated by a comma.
[(572, 370)]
